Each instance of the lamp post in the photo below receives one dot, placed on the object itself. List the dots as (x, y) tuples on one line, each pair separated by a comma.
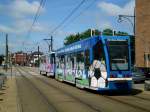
[(129, 18)]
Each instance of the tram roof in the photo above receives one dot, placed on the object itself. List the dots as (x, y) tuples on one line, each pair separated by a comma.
[(87, 43)]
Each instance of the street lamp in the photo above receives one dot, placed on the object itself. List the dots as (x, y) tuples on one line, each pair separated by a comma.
[(129, 18)]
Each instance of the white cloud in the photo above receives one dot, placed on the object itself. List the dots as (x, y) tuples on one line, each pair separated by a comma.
[(21, 8), (22, 26), (106, 24), (5, 29), (114, 10), (21, 12)]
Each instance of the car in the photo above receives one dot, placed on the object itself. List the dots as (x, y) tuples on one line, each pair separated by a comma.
[(138, 75), (147, 85), (147, 73)]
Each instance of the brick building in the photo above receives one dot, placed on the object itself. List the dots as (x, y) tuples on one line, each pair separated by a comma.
[(20, 58), (142, 42)]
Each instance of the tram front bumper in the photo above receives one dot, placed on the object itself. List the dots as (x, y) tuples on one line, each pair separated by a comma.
[(120, 85)]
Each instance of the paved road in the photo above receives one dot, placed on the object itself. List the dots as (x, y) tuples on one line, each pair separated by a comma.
[(41, 94)]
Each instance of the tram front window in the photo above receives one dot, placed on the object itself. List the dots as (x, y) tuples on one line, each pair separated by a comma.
[(118, 55)]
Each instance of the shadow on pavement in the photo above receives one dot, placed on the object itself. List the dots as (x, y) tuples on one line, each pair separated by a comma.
[(117, 93), (1, 93)]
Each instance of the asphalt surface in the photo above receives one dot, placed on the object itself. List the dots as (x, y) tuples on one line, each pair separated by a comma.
[(38, 93)]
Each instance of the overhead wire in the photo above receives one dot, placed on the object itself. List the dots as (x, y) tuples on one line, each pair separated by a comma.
[(42, 3), (80, 14), (37, 14), (67, 17)]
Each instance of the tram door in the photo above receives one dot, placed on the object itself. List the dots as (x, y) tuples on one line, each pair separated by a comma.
[(53, 64), (98, 68)]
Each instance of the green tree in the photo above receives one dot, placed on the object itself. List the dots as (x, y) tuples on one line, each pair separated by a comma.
[(70, 39), (119, 33), (79, 36), (86, 34), (107, 32)]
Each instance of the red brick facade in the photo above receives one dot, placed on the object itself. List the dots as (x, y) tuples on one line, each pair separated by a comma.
[(20, 58), (142, 41)]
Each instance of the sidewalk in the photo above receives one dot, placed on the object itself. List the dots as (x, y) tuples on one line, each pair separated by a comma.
[(8, 95)]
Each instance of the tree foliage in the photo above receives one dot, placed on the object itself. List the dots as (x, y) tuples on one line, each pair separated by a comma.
[(79, 36), (119, 33), (83, 35), (108, 32)]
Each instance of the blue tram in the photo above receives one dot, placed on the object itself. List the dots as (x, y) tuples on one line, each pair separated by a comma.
[(97, 63)]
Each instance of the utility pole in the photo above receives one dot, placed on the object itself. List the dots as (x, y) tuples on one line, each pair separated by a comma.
[(6, 59), (38, 56), (50, 43)]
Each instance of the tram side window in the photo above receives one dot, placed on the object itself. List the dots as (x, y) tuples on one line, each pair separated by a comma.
[(87, 59), (52, 58), (70, 63), (99, 52), (44, 60), (48, 59), (41, 60), (99, 56), (57, 62), (62, 62), (80, 60), (67, 61), (72, 59)]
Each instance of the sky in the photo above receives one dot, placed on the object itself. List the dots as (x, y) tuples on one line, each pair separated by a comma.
[(16, 18)]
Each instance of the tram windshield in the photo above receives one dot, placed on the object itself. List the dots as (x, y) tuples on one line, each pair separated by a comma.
[(118, 55)]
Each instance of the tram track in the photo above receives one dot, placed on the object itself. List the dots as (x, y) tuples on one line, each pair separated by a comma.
[(142, 98), (68, 94), (108, 97), (139, 97), (19, 102), (44, 98), (126, 103)]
